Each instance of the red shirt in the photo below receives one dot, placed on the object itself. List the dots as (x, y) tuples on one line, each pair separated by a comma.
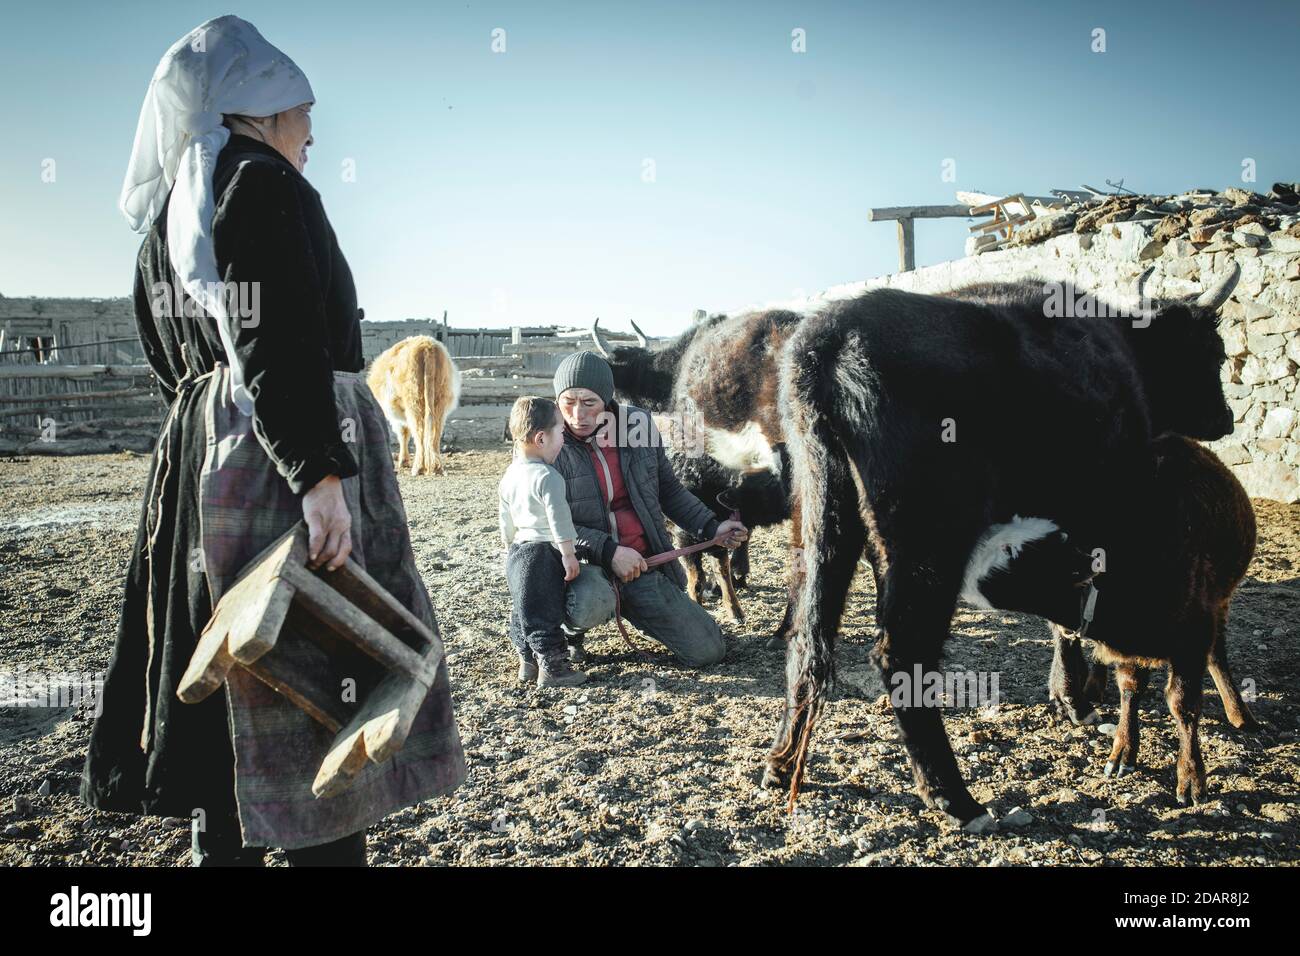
[(631, 534)]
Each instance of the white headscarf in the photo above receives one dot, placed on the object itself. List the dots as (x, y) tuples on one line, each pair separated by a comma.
[(222, 66)]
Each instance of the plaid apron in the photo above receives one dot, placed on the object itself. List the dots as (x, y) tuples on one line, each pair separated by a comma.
[(245, 505)]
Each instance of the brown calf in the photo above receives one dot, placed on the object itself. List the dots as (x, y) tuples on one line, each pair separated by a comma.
[(1173, 611)]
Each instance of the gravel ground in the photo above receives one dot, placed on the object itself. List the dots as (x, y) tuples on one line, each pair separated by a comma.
[(650, 763)]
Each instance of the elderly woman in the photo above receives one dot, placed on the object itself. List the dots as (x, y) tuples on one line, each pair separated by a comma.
[(248, 316)]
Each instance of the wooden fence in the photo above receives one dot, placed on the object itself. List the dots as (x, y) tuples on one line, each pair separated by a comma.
[(54, 408)]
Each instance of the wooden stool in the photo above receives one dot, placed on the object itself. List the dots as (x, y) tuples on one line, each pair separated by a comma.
[(307, 633)]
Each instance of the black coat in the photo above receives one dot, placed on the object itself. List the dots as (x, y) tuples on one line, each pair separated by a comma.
[(652, 487), (147, 750), (270, 229)]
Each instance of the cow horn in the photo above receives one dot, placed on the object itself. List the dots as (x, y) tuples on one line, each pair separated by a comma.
[(601, 345), (1142, 281), (1214, 297), (640, 336)]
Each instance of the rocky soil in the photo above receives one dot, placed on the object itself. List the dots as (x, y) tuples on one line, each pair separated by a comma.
[(651, 763)]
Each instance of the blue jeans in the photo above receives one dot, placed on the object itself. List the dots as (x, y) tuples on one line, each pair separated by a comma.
[(656, 605), (535, 573)]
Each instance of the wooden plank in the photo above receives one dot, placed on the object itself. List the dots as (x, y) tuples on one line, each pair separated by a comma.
[(64, 396), (906, 245), (981, 199), (368, 635), (521, 384), (75, 371), (140, 413), (494, 398), (356, 585), (917, 212), (419, 327), (999, 224), (486, 361), (376, 732), (246, 621), (301, 672), (564, 345)]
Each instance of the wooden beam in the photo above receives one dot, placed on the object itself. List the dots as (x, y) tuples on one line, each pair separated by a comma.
[(981, 199), (918, 212), (68, 396), (1000, 224), (74, 371), (479, 386), (487, 361), (906, 245), (57, 412), (534, 346)]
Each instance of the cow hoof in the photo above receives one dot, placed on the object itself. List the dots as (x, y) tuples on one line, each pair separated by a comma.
[(774, 779), (1191, 792), (984, 823), (1117, 770), (775, 643)]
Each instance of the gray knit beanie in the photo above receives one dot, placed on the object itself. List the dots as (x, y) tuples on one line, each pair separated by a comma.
[(586, 370)]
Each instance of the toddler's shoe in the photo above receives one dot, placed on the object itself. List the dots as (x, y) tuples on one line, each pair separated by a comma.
[(527, 670)]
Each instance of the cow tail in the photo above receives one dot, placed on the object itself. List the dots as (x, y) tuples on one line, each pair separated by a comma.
[(428, 387), (821, 391)]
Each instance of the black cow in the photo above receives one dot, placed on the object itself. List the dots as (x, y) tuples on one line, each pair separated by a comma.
[(914, 423)]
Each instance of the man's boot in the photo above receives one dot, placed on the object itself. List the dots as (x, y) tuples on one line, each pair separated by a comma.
[(557, 671)]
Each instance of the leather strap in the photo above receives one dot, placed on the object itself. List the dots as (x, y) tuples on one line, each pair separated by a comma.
[(653, 562)]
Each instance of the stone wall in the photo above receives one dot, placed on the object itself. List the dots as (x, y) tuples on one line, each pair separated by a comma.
[(1261, 326)]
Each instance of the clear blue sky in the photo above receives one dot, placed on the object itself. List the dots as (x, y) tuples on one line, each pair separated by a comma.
[(508, 187)]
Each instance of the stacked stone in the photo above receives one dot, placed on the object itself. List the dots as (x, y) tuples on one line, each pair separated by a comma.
[(1189, 242), (1233, 216)]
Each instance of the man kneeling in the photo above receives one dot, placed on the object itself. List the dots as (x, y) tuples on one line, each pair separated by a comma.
[(619, 486)]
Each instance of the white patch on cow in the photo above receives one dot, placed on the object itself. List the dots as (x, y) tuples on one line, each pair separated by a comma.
[(994, 552), (745, 450)]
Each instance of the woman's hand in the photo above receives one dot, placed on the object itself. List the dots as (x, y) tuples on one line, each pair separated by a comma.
[(628, 565), (329, 525)]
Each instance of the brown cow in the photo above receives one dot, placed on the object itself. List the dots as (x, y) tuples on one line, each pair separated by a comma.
[(417, 385)]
